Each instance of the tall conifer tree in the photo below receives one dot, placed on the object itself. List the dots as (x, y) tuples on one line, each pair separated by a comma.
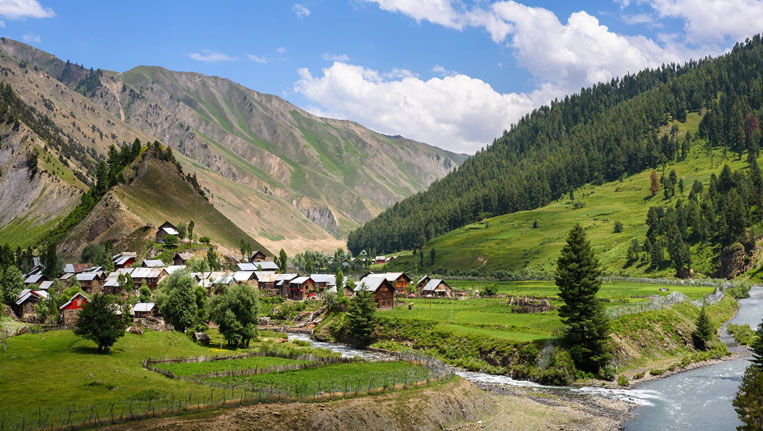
[(578, 276)]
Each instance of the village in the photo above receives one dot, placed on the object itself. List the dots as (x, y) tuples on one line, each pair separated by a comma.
[(258, 270)]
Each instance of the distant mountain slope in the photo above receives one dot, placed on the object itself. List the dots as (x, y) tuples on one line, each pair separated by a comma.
[(155, 192), (606, 132), (265, 163)]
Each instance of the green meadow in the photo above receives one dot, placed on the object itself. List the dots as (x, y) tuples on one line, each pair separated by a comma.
[(531, 240)]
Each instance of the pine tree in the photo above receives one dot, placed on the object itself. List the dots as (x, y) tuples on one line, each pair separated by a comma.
[(757, 348), (578, 278), (749, 400), (703, 332), (99, 323), (309, 266), (339, 281), (360, 316), (282, 259)]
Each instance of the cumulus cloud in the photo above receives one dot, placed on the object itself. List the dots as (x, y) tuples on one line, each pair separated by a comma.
[(16, 9), (457, 112), (713, 21), (208, 56), (440, 70), (335, 57), (257, 59), (31, 38), (300, 10), (281, 50), (568, 55)]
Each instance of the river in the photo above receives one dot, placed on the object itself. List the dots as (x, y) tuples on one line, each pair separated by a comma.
[(698, 399)]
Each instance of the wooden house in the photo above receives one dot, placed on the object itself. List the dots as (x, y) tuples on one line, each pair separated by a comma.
[(166, 229), (422, 282), (282, 283), (257, 256), (182, 258), (399, 280), (126, 259), (91, 282), (148, 276), (152, 263), (323, 281), (33, 279), (145, 309), (384, 292), (265, 265), (25, 305), (70, 310), (301, 288), (436, 287)]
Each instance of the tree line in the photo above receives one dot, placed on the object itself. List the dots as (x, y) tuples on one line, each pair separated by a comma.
[(603, 133)]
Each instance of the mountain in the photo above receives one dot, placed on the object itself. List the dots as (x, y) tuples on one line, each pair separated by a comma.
[(605, 133), (154, 191), (289, 178)]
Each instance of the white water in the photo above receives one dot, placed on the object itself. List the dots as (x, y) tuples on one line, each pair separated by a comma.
[(699, 399), (638, 396)]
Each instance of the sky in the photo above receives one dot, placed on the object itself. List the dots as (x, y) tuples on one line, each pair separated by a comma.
[(451, 73)]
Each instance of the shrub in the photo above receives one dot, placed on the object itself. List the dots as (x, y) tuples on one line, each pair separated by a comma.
[(491, 289), (204, 240), (622, 380), (618, 227), (638, 376), (656, 372)]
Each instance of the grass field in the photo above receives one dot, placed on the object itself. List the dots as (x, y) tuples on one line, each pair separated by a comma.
[(192, 368), (511, 243), (617, 291), (494, 317), (355, 375)]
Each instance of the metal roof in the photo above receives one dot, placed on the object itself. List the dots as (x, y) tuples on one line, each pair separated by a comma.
[(45, 285), (300, 280), (75, 267), (28, 293), (139, 273), (72, 299), (265, 276), (170, 231), (432, 285), (371, 282), (143, 307), (153, 263), (240, 276), (264, 266), (32, 279), (172, 268)]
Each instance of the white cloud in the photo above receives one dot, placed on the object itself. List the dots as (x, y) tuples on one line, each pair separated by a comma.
[(641, 18), (440, 70), (208, 56), (713, 21), (31, 38), (457, 112), (281, 50), (2, 24), (300, 10), (568, 55), (15, 9), (257, 59), (335, 57)]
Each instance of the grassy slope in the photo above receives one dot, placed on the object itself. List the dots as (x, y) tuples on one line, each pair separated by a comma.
[(509, 242), (158, 194)]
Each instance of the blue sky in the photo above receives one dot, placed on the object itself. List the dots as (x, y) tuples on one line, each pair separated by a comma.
[(450, 73)]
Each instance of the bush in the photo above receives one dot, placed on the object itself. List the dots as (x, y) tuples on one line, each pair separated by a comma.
[(578, 204), (618, 227), (656, 372), (622, 380), (638, 376), (204, 240), (491, 290), (608, 373)]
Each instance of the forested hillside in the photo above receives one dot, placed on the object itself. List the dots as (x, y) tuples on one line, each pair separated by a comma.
[(602, 134)]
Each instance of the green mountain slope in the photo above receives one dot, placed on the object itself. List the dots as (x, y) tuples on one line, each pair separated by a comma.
[(606, 132), (155, 192)]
